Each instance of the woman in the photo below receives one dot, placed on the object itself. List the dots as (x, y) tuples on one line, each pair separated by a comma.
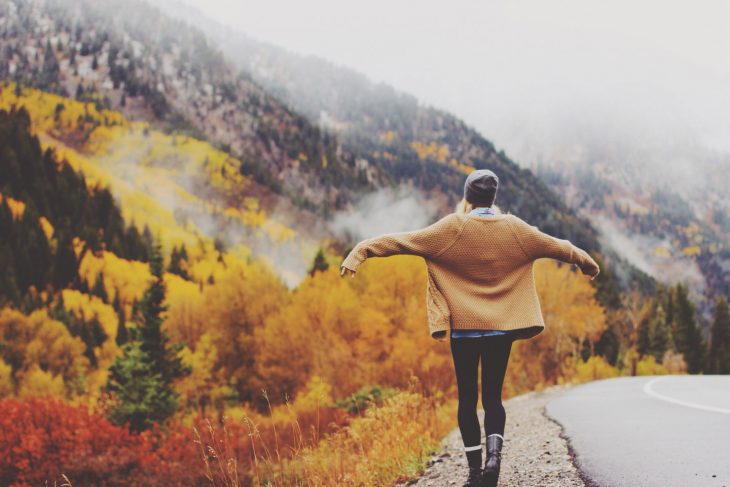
[(481, 289)]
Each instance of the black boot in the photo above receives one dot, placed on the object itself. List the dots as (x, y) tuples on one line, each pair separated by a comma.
[(490, 475), (475, 477)]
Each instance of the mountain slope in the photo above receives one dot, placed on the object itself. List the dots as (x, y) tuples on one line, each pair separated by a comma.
[(138, 61), (178, 186), (157, 69), (391, 130), (44, 206), (671, 224), (661, 227)]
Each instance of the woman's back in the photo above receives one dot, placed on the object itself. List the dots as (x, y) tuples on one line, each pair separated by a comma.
[(480, 269)]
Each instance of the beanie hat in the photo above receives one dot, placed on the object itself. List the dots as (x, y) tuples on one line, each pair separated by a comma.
[(480, 188)]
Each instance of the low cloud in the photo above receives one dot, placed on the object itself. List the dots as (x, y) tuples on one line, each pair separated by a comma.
[(386, 210)]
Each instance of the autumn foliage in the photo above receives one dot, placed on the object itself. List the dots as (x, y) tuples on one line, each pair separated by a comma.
[(332, 381), (44, 437)]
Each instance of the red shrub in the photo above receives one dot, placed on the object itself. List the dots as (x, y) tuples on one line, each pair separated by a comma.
[(41, 439), (44, 438)]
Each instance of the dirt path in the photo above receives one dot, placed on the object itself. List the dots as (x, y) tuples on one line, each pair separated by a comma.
[(534, 454)]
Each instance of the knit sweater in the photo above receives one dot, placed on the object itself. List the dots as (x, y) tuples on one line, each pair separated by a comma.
[(486, 212), (468, 289)]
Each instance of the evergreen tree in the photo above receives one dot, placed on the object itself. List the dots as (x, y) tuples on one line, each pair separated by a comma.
[(320, 263), (643, 339), (179, 262), (122, 334), (688, 336), (660, 339), (99, 289), (670, 308), (141, 379), (154, 341), (719, 356), (142, 397), (93, 335)]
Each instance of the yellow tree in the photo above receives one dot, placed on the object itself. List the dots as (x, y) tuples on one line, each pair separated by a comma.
[(234, 311), (41, 351), (571, 315)]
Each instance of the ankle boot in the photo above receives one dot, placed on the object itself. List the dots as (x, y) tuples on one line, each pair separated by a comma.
[(475, 477), (490, 475)]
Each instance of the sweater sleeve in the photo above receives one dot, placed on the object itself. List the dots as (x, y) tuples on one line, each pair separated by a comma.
[(537, 244), (427, 242)]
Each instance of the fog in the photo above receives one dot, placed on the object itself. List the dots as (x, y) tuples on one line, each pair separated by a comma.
[(543, 80), (385, 210)]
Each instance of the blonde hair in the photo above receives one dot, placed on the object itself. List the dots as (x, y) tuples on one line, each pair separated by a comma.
[(464, 206)]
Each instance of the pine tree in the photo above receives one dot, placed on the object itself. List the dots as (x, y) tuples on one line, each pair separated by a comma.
[(661, 338), (122, 334), (719, 356), (643, 338), (149, 322), (688, 336), (670, 308), (99, 289), (141, 379), (320, 263), (178, 262), (142, 397)]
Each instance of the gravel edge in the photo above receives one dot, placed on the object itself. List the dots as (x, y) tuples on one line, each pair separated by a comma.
[(573, 455), (536, 453)]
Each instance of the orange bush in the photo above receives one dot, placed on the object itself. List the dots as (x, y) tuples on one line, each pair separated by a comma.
[(42, 438)]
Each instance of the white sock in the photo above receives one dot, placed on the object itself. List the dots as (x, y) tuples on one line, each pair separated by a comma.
[(496, 434)]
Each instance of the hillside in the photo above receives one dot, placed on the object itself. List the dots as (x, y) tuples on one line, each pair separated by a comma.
[(153, 68), (662, 228), (49, 219), (149, 67), (673, 227), (178, 186), (410, 141)]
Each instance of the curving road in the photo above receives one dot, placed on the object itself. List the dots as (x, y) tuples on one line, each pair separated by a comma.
[(663, 431)]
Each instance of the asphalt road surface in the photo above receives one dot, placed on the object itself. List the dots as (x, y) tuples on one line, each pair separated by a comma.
[(663, 431)]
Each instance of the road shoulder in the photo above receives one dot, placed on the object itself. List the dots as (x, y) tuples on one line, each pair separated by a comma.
[(535, 452)]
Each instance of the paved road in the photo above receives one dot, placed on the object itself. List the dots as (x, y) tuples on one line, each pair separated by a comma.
[(662, 431)]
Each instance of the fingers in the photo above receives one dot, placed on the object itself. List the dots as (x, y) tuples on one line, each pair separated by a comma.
[(345, 270)]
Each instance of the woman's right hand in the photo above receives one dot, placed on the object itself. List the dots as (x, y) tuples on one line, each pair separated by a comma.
[(345, 270), (590, 269)]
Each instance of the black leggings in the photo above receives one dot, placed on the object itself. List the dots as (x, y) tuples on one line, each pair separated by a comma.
[(494, 352)]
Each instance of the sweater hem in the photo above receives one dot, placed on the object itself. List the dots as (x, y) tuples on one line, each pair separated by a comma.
[(480, 325)]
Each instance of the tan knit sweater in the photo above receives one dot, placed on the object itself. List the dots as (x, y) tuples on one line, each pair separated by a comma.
[(480, 270)]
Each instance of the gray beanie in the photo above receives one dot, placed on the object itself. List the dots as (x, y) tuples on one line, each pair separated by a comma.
[(480, 188)]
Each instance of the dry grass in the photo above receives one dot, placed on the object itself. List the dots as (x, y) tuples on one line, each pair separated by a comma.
[(384, 445)]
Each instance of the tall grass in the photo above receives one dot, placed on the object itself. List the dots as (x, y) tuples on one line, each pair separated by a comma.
[(384, 444)]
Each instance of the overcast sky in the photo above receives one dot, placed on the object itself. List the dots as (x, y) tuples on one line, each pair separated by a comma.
[(526, 73)]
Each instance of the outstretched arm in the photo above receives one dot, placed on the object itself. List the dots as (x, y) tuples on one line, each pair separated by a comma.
[(537, 244), (427, 242)]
